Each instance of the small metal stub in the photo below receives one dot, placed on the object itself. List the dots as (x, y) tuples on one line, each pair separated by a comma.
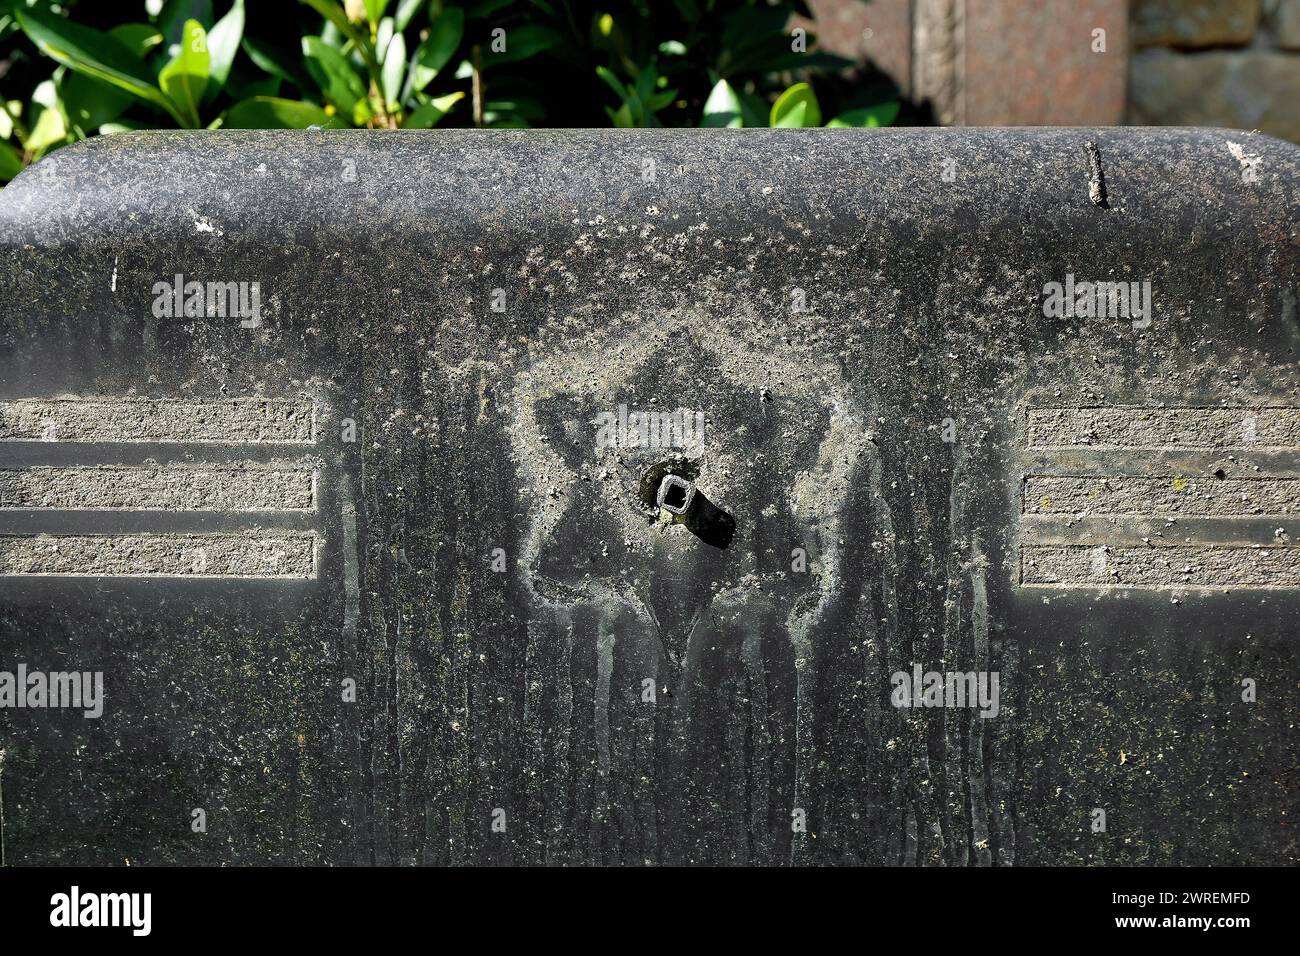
[(675, 494)]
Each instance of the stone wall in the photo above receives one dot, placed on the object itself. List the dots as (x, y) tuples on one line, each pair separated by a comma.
[(1216, 63), (1232, 63)]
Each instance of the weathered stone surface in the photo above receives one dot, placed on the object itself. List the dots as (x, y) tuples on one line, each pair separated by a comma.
[(482, 328), (250, 486), (1287, 23), (1194, 23), (1166, 495), (1245, 90)]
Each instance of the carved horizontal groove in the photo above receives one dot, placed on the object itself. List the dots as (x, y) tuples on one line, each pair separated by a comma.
[(1163, 428), (1184, 566), (127, 420), (1139, 531), (275, 555)]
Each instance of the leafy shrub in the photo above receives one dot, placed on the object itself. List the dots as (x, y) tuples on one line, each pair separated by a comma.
[(412, 64)]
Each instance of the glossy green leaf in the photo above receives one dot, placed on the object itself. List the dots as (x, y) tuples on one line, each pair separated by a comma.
[(660, 100), (406, 11), (523, 107), (96, 54), (722, 109), (120, 126), (271, 60), (331, 11), (796, 108), (429, 114), (90, 103), (223, 45), (139, 38), (49, 128), (753, 110), (333, 74), (645, 84), (45, 94), (437, 49), (622, 117), (11, 163), (609, 79), (869, 118), (394, 70), (269, 112), (375, 11), (260, 86), (386, 30), (185, 78)]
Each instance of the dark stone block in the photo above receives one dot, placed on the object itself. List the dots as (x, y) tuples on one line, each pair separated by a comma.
[(408, 431)]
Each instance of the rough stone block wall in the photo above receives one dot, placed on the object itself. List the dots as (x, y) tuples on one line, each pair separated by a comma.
[(1232, 63)]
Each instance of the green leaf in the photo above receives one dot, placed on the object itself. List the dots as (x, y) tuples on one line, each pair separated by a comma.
[(522, 43), (645, 83), (869, 118), (485, 8), (333, 74), (139, 38), (394, 70), (45, 94), (375, 11), (437, 49), (386, 30), (519, 113), (49, 129), (270, 60), (257, 85), (96, 54), (796, 108), (269, 112), (660, 100), (722, 109), (612, 82), (185, 78), (11, 164), (622, 117), (89, 103), (223, 45), (753, 110), (331, 11), (429, 114), (121, 126), (406, 10)]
